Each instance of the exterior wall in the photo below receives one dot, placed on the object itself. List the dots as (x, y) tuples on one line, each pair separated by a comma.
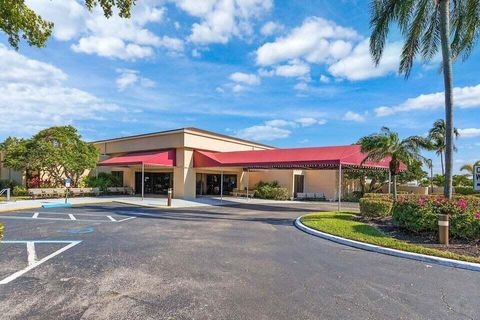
[(410, 189), (284, 178), (10, 174), (324, 181), (184, 141), (214, 143)]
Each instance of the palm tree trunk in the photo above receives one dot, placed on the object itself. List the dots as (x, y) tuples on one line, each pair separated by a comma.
[(444, 6), (394, 187), (441, 162)]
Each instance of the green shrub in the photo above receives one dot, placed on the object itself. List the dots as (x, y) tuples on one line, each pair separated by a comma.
[(465, 190), (420, 214), (103, 181), (384, 196), (375, 208), (271, 190), (7, 184), (19, 191)]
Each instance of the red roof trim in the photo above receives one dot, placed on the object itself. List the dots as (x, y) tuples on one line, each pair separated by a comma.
[(165, 158)]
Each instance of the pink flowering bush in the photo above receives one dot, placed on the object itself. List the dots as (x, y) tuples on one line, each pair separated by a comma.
[(419, 214)]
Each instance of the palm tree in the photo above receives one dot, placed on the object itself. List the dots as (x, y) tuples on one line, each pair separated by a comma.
[(425, 24), (387, 144), (469, 167), (437, 137)]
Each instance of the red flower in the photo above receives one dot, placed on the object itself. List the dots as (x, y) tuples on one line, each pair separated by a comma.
[(462, 204), (477, 215)]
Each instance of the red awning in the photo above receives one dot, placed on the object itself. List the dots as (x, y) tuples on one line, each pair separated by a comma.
[(165, 158), (316, 157)]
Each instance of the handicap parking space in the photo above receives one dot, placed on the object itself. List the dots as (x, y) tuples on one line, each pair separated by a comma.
[(17, 257), (33, 237)]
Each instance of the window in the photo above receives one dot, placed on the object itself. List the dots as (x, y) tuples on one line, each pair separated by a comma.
[(119, 175)]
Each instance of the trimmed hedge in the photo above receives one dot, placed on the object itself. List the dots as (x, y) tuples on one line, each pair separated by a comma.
[(466, 190), (384, 196), (375, 208), (271, 191)]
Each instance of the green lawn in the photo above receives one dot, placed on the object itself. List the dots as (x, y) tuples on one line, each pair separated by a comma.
[(341, 224)]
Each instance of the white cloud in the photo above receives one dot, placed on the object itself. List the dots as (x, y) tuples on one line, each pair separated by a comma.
[(34, 96), (325, 79), (222, 19), (18, 68), (295, 68), (277, 128), (245, 78), (279, 123), (353, 116), (469, 132), (301, 86), (466, 97), (112, 47), (358, 65), (119, 38), (306, 122), (317, 41), (128, 78), (271, 28), (238, 88), (263, 133)]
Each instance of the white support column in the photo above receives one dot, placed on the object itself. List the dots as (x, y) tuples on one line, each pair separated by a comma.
[(248, 178), (340, 187), (143, 180), (221, 186), (389, 182)]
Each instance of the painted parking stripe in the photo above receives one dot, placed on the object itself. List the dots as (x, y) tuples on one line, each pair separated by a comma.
[(32, 255), (71, 216), (111, 219), (35, 215), (39, 262), (61, 219)]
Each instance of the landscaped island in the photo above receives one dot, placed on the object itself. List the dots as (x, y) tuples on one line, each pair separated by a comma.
[(409, 224)]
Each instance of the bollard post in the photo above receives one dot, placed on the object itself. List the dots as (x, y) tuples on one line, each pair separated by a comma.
[(443, 225), (169, 199)]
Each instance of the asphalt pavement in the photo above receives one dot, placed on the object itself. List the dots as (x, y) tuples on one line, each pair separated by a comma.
[(223, 262)]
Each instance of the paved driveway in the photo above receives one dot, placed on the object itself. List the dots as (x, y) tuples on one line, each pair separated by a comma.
[(236, 262)]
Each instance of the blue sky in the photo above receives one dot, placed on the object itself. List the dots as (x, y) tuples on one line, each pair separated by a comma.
[(285, 73)]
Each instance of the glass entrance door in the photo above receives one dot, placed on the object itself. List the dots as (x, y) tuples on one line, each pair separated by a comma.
[(155, 182), (209, 184)]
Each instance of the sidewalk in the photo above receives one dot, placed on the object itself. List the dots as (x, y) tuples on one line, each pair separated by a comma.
[(153, 202)]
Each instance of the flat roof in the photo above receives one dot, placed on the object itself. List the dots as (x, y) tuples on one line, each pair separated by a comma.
[(186, 129)]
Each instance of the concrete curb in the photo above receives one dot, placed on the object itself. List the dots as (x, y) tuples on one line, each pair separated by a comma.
[(392, 252)]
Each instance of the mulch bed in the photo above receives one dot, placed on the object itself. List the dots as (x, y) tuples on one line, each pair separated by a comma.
[(462, 247)]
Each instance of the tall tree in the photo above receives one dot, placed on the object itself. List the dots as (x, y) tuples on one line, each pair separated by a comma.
[(469, 167), (388, 144), (429, 27), (17, 20), (55, 153), (437, 137)]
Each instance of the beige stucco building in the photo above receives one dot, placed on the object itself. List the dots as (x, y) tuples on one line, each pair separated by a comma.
[(195, 162)]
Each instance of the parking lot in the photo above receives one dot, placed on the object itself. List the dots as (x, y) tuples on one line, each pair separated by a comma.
[(111, 261)]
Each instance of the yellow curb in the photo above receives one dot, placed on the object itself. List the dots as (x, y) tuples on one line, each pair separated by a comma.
[(18, 209)]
